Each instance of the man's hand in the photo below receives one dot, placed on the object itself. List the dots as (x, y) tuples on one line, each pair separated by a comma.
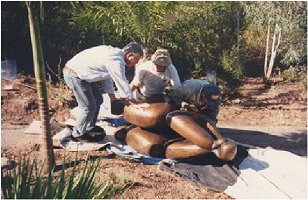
[(187, 107), (133, 87), (194, 108)]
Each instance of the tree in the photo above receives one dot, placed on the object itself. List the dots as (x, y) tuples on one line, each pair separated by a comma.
[(39, 68), (268, 67), (133, 21), (201, 32), (282, 23)]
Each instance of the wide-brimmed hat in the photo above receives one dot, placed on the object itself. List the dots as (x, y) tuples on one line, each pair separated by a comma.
[(161, 57)]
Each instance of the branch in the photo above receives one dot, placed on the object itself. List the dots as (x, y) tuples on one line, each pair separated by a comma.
[(279, 37)]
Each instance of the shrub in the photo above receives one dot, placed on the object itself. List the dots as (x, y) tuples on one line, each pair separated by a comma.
[(27, 181), (295, 74), (231, 64)]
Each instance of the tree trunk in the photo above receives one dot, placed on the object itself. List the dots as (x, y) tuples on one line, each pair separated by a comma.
[(238, 37), (39, 68), (275, 46), (267, 46)]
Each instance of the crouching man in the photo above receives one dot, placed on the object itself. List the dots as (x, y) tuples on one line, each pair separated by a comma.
[(152, 77), (198, 96)]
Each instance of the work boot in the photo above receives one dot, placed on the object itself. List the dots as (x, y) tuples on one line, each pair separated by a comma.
[(83, 138), (94, 135), (97, 133)]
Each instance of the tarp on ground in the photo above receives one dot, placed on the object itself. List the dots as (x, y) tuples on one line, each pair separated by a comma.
[(263, 174), (255, 173)]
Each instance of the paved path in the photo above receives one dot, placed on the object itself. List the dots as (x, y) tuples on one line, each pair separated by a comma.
[(292, 139)]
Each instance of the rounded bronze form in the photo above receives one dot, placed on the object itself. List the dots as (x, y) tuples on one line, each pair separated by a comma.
[(187, 126), (146, 142), (208, 124), (148, 117), (121, 131), (227, 150), (184, 149), (117, 106)]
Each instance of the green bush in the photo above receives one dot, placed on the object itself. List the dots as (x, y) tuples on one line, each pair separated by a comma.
[(231, 64), (27, 181), (295, 74)]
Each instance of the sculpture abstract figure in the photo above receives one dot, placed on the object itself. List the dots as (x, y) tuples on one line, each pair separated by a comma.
[(196, 134), (148, 117), (146, 142)]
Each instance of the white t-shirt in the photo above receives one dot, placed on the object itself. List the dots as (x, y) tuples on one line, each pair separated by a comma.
[(152, 82), (102, 63)]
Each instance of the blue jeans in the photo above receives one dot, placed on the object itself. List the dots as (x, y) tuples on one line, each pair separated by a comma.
[(89, 100)]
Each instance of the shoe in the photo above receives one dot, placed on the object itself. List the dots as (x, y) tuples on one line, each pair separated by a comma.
[(97, 133), (83, 138)]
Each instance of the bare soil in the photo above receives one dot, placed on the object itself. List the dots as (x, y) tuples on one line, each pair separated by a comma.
[(281, 104)]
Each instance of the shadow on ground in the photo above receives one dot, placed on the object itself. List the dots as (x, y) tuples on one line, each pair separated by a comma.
[(294, 142)]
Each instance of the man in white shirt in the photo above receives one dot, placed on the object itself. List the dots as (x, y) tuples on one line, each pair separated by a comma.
[(105, 64), (152, 77), (130, 71)]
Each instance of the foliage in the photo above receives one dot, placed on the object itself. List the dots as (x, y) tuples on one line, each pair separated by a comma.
[(291, 17), (230, 62), (203, 32), (133, 21), (27, 181), (295, 74), (60, 39), (198, 34), (294, 49), (15, 39)]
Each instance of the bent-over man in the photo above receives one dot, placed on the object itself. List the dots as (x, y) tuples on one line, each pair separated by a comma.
[(105, 64)]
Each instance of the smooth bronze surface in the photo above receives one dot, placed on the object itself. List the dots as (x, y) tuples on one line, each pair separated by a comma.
[(149, 117), (184, 149), (185, 125), (146, 142), (227, 150), (208, 124)]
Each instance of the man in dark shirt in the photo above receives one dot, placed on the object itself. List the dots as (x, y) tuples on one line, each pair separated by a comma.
[(199, 96)]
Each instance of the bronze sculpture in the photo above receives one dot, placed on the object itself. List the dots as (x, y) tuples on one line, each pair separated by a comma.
[(148, 117), (196, 134)]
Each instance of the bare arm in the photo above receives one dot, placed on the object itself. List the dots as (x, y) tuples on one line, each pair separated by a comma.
[(133, 87)]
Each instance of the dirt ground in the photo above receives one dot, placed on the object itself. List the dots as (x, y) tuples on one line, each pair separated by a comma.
[(282, 105)]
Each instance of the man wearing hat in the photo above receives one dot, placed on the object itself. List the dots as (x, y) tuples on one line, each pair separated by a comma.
[(199, 96), (152, 77), (105, 64)]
